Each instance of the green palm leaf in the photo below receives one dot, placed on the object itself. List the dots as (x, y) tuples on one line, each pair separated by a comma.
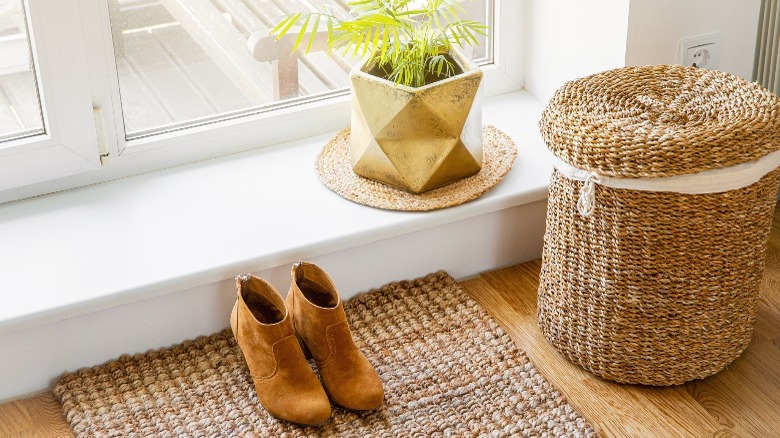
[(407, 39)]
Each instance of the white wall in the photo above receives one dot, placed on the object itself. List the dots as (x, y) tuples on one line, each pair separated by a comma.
[(31, 359), (655, 28), (568, 39)]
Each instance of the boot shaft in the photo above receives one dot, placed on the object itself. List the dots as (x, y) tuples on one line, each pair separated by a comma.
[(259, 320), (315, 305)]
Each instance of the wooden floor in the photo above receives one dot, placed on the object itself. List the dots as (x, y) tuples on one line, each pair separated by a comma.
[(743, 400)]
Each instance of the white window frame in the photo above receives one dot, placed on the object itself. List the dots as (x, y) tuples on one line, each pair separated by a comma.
[(69, 144), (242, 133)]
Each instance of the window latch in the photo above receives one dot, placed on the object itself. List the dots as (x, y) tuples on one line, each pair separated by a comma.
[(104, 154)]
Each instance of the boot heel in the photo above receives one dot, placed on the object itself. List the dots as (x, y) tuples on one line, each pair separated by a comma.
[(306, 351)]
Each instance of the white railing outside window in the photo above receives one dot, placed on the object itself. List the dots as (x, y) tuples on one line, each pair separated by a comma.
[(108, 88)]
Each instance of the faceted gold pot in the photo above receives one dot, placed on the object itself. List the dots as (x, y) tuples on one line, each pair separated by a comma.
[(417, 139)]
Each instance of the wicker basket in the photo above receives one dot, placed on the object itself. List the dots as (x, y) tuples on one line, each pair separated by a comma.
[(651, 265)]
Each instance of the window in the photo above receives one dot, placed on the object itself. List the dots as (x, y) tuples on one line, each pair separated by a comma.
[(19, 102), (173, 81), (46, 125), (184, 63)]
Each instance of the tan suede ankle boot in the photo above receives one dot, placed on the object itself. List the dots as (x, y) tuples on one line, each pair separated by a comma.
[(286, 385), (319, 319)]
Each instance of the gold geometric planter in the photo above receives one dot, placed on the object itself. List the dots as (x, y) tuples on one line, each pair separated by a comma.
[(417, 139)]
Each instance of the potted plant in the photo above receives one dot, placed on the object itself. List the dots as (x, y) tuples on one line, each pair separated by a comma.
[(416, 111)]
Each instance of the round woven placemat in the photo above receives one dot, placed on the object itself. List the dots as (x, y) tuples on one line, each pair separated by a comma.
[(334, 167)]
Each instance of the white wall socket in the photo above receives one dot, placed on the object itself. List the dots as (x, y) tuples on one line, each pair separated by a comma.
[(702, 52)]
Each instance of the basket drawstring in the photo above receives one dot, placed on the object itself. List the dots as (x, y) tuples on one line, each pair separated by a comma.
[(587, 202)]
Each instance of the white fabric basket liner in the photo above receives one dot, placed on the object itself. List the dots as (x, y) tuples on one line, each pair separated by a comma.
[(709, 181)]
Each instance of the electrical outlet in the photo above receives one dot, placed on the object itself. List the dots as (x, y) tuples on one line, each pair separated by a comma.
[(702, 52)]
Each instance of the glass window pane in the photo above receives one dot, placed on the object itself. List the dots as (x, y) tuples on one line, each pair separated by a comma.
[(185, 62), (481, 11), (20, 109)]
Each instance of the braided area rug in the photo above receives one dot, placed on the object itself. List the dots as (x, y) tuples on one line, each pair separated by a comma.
[(448, 370)]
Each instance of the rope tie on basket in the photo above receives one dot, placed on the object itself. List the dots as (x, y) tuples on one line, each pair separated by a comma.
[(587, 202)]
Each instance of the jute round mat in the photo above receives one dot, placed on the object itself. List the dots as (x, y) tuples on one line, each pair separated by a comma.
[(447, 368), (334, 167)]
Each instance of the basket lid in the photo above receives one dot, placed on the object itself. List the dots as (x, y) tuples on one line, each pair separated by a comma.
[(659, 121)]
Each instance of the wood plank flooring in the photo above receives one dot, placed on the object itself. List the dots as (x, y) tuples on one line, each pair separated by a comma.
[(743, 400), (39, 416)]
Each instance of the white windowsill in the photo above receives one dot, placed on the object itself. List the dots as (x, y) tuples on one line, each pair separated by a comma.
[(111, 244)]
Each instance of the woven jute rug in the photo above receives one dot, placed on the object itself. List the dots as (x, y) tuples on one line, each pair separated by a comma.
[(334, 168), (447, 368)]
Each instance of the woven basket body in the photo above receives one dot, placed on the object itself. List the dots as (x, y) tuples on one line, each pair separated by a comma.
[(655, 287)]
